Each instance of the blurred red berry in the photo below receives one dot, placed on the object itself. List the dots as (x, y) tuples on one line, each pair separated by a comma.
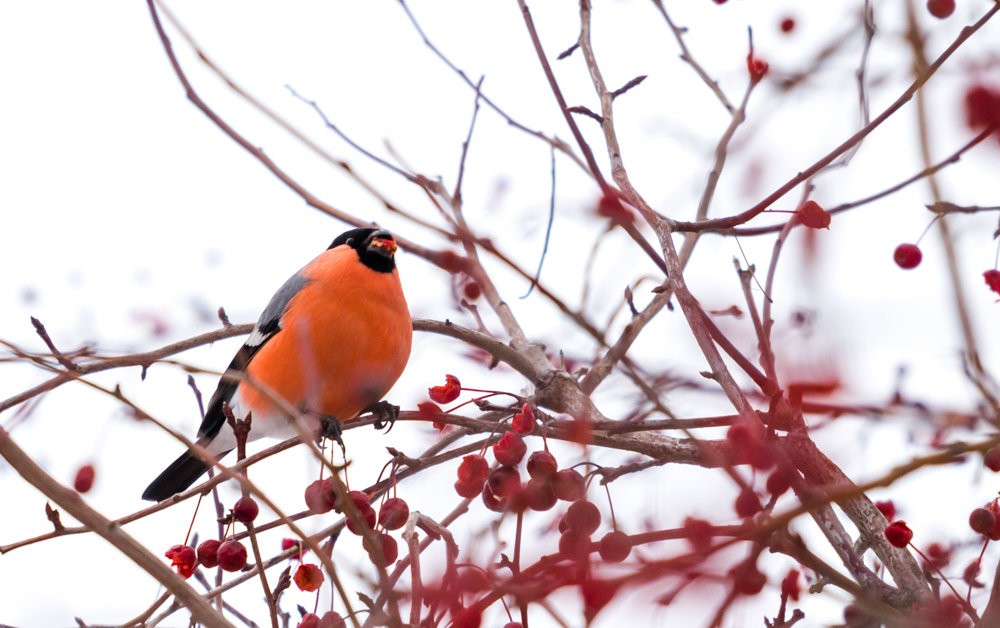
[(390, 549), (332, 619), (583, 516), (542, 465), (538, 495), (491, 501), (393, 513), (787, 24), (779, 481), (232, 555), (287, 544), (208, 553), (447, 393), (610, 206), (937, 556), (747, 503), (615, 546), (898, 533), (941, 8), (524, 421), (992, 278), (569, 485), (813, 216), (907, 256), (245, 510), (574, 545), (982, 107), (504, 481), (320, 496), (472, 290), (183, 558), (982, 521), (887, 508), (308, 577), (698, 532), (466, 618), (309, 620), (84, 479), (509, 449), (756, 67), (747, 579), (790, 585)]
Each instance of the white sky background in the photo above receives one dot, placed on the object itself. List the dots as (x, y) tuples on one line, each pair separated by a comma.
[(121, 203)]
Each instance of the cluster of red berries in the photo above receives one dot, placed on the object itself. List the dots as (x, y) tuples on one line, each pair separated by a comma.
[(321, 498), (751, 446), (330, 619), (230, 555)]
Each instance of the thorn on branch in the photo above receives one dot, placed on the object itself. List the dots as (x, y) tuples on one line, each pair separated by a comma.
[(568, 51), (627, 86), (628, 300), (587, 112), (53, 515)]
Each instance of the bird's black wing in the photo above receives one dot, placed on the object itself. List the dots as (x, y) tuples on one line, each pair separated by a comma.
[(267, 326)]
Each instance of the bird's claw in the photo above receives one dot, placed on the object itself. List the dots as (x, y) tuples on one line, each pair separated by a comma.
[(329, 427), (385, 414)]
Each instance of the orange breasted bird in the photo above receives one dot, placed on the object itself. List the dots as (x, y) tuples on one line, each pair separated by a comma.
[(331, 342)]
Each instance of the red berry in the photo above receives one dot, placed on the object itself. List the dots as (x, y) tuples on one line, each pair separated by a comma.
[(982, 106), (467, 618), (393, 513), (84, 479), (787, 24), (368, 516), (524, 421), (332, 619), (941, 8), (790, 585), (747, 504), (232, 555), (992, 278), (468, 490), (569, 485), (504, 481), (320, 496), (574, 545), (698, 532), (472, 290), (584, 517), (610, 206), (208, 553), (756, 67), (538, 495), (473, 469), (982, 521), (898, 533), (992, 458), (779, 481), (509, 449), (447, 393), (308, 577), (542, 465), (747, 579), (491, 501), (887, 508), (287, 544), (183, 557), (615, 546), (907, 256), (245, 510), (390, 549), (309, 620), (813, 216)]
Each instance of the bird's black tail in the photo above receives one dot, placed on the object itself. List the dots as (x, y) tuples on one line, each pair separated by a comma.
[(180, 475)]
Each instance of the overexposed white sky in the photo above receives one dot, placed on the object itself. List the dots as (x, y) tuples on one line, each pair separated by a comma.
[(127, 218)]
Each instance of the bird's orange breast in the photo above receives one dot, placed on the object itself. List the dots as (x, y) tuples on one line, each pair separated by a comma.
[(344, 340)]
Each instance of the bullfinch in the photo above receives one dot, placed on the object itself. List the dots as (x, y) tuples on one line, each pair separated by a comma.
[(331, 342)]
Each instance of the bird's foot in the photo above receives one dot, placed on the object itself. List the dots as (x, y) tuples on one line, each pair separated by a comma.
[(385, 414), (329, 427)]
